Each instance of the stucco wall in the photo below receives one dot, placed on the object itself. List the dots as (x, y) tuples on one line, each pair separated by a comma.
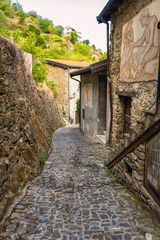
[(73, 94), (27, 116)]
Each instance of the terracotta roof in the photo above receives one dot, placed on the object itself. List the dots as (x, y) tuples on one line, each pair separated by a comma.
[(108, 10), (93, 68), (66, 63)]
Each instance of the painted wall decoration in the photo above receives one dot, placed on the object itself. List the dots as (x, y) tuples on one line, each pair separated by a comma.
[(88, 95), (139, 53)]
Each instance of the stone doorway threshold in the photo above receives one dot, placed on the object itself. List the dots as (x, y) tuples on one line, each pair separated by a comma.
[(101, 139)]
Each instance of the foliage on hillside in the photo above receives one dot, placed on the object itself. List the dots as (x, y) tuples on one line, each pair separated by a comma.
[(38, 36)]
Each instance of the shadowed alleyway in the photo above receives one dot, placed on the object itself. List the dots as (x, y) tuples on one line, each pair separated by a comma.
[(73, 198)]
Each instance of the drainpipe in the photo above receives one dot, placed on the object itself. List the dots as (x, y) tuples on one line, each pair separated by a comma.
[(158, 83), (108, 84)]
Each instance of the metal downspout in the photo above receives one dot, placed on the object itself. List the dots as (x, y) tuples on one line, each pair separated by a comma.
[(158, 83)]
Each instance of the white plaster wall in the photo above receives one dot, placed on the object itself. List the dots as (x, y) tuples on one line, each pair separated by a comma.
[(73, 95)]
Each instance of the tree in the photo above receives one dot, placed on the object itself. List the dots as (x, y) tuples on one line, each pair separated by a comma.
[(44, 25), (83, 49), (87, 42), (74, 37), (34, 29), (60, 30), (104, 56)]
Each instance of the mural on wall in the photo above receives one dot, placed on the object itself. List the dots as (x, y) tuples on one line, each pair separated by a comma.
[(88, 95), (139, 53)]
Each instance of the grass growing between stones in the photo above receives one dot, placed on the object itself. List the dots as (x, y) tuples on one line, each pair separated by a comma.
[(50, 135), (116, 179), (43, 158)]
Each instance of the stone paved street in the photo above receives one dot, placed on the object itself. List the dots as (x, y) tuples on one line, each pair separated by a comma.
[(73, 198)]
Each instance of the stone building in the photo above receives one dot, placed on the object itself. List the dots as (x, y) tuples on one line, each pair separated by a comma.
[(67, 88), (94, 104), (134, 150)]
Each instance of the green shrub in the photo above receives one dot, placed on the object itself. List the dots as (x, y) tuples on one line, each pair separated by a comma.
[(46, 37), (74, 37), (104, 56), (56, 38), (32, 14), (6, 10), (8, 13), (43, 158), (40, 72), (17, 36), (22, 16), (44, 24), (4, 6), (34, 29), (14, 6), (29, 43), (60, 30), (53, 86), (41, 42), (82, 49)]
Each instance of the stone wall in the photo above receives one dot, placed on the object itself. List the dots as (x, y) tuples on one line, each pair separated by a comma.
[(60, 77), (142, 105), (28, 114)]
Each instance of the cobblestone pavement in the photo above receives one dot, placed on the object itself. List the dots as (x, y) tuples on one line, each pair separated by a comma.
[(73, 198)]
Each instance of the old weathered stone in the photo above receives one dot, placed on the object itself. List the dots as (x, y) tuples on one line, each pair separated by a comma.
[(22, 139)]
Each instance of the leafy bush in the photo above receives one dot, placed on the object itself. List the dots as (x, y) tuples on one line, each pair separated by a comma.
[(43, 158), (52, 30), (17, 36), (22, 16), (83, 49), (87, 42), (56, 38), (34, 29), (32, 14), (74, 37), (29, 43), (44, 24), (40, 72), (6, 10), (46, 37), (104, 56), (53, 86), (4, 31), (60, 30), (41, 42), (14, 6)]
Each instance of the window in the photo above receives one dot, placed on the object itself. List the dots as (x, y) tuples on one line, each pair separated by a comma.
[(127, 114)]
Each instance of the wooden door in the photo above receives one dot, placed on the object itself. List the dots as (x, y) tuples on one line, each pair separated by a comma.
[(152, 176)]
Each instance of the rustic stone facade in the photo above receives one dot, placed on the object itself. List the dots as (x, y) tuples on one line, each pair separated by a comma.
[(60, 77), (27, 116), (142, 95)]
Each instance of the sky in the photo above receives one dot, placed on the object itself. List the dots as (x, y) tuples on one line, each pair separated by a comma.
[(78, 14)]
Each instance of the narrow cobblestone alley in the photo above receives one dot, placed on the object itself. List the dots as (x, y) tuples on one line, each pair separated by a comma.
[(73, 198)]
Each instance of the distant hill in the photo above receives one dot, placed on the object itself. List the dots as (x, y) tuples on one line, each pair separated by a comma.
[(33, 33)]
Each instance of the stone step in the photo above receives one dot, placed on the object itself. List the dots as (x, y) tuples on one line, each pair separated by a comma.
[(152, 113), (101, 139)]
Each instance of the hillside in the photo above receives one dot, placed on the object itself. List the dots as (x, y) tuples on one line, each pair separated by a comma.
[(35, 34)]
